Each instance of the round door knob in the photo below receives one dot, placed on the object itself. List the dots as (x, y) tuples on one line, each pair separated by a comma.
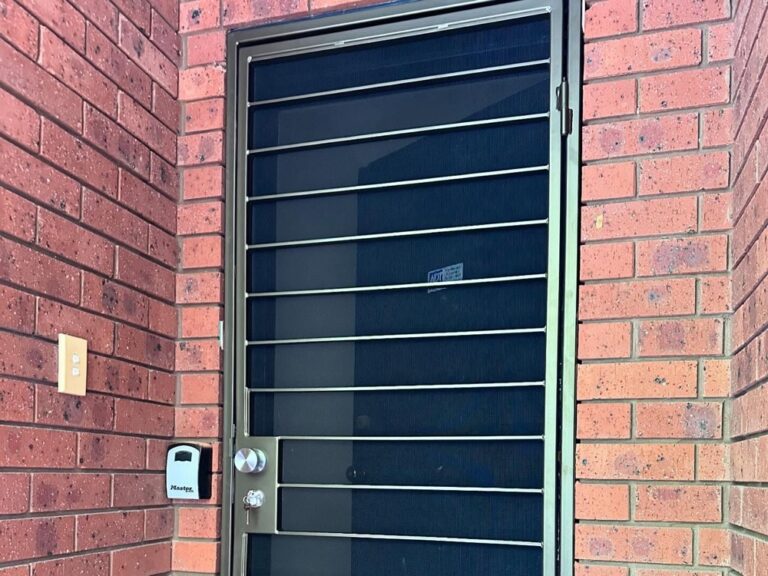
[(250, 461)]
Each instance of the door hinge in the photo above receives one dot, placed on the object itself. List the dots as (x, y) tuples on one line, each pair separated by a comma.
[(566, 114), (221, 334)]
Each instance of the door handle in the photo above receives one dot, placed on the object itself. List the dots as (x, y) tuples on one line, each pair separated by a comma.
[(250, 460)]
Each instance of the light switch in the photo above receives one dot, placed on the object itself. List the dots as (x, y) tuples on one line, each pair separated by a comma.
[(73, 364)]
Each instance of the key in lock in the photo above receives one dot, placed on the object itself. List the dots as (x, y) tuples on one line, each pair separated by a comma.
[(252, 499)]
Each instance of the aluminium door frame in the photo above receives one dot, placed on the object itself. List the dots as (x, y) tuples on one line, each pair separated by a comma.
[(300, 35)]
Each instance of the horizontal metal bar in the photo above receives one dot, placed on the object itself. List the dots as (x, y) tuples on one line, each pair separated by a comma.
[(405, 82), (413, 538), (407, 233), (398, 184), (395, 336), (398, 133), (404, 387), (353, 289), (507, 438), (414, 488)]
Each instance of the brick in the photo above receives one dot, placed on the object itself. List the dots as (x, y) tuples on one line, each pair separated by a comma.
[(716, 127), (200, 321), (639, 298), (682, 255), (199, 15), (159, 523), (20, 28), (749, 412), (147, 128), (90, 564), (646, 53), (688, 89), (602, 501), (203, 422), (62, 18), (19, 216), (139, 490), (200, 389), (198, 355), (77, 73), (204, 182), (164, 176), (135, 417), (200, 218), (163, 246), (604, 420), (202, 148), (19, 122), (74, 243), (206, 48), (683, 572), (754, 504), (107, 297), (678, 503), (116, 141), (18, 310), (101, 13), (165, 38), (235, 12), (720, 42), (114, 221), (604, 340), (156, 454), (607, 261), (70, 491), (606, 99), (199, 288), (610, 18), (634, 544), (716, 378), (201, 82), (145, 275), (109, 529), (37, 86), (681, 337), (700, 420), (582, 569), (145, 348), (666, 13), (147, 201), (684, 173), (110, 452), (714, 547), (14, 493), (169, 10), (165, 108), (671, 379), (643, 136), (202, 252), (94, 411), (47, 185), (118, 67), (27, 538), (649, 217), (37, 448), (54, 318), (163, 318), (204, 115), (149, 57), (635, 462), (138, 11), (199, 523), (162, 387), (27, 357), (15, 571), (79, 159), (153, 559), (716, 212), (715, 297), (18, 400), (31, 269), (195, 556)]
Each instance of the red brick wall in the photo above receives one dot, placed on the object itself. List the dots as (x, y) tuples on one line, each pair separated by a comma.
[(88, 193), (749, 419), (654, 301)]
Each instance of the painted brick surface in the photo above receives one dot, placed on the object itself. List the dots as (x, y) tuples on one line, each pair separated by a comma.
[(77, 136), (655, 255)]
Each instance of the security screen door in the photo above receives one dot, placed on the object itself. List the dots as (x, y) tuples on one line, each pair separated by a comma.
[(397, 251)]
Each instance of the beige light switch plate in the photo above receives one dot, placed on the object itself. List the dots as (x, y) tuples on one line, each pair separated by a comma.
[(73, 364)]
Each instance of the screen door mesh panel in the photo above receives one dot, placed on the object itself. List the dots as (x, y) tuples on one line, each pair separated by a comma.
[(397, 285)]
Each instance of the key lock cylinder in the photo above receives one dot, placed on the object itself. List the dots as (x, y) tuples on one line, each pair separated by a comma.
[(251, 461)]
